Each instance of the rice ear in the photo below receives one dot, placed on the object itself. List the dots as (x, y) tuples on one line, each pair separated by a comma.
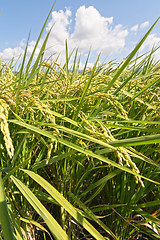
[(5, 128)]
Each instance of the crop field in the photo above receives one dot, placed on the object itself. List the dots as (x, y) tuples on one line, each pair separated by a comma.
[(80, 150)]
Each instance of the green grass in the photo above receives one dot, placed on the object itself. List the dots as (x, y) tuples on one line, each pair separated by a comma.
[(79, 151)]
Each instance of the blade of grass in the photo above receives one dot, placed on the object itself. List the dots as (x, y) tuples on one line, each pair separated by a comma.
[(85, 66), (43, 81), (79, 149), (145, 88), (124, 65), (139, 100), (92, 215), (4, 215), (127, 80), (40, 35), (59, 115), (130, 56), (54, 227), (65, 204), (148, 204), (151, 139), (148, 216), (145, 61), (127, 121), (101, 181), (54, 159), (108, 148), (66, 59), (36, 224), (85, 91), (133, 128), (74, 66), (20, 72), (35, 68)]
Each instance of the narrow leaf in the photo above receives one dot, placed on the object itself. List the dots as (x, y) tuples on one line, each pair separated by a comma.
[(130, 56), (145, 88), (54, 227), (4, 215), (40, 35), (79, 149), (92, 215), (65, 204), (85, 91), (151, 139)]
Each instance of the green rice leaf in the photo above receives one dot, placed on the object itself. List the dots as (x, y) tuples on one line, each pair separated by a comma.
[(130, 56), (35, 68), (101, 181), (150, 139), (67, 59), (65, 204), (85, 91), (92, 215), (80, 149), (144, 89), (40, 35), (54, 227), (4, 215), (85, 66)]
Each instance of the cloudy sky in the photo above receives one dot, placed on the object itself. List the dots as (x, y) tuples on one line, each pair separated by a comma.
[(110, 27)]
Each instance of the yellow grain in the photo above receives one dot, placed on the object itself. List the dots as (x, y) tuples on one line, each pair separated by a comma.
[(5, 128)]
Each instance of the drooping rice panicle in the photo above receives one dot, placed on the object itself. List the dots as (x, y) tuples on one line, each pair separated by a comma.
[(5, 128)]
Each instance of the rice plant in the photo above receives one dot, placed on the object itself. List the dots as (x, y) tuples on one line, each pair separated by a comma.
[(79, 150)]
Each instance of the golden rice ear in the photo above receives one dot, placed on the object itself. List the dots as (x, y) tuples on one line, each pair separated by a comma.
[(5, 128)]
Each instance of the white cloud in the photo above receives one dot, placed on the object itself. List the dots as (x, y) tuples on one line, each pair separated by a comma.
[(144, 25), (134, 28), (31, 46), (60, 21), (22, 43), (89, 22), (152, 40), (9, 53), (18, 52), (91, 29)]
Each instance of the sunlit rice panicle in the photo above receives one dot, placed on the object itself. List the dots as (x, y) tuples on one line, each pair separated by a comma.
[(113, 102), (49, 152), (5, 128), (122, 154), (7, 69), (7, 79), (134, 167), (45, 110)]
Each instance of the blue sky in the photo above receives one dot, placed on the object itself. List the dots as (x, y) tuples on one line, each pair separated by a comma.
[(112, 27)]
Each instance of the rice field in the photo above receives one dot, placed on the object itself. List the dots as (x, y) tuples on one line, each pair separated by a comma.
[(80, 150)]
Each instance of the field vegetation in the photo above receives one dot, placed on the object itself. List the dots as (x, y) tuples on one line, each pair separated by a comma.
[(79, 150)]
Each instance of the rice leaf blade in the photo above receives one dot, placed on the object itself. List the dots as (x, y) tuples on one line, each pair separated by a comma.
[(130, 56), (40, 35), (92, 215), (4, 215), (144, 89), (55, 228), (85, 91), (65, 204), (80, 149)]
